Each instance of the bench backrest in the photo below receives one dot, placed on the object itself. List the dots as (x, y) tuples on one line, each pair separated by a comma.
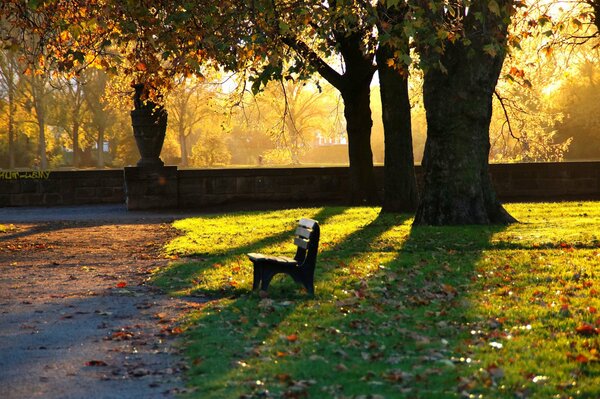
[(307, 240)]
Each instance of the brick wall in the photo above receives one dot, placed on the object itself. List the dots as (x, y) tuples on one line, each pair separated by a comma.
[(202, 188)]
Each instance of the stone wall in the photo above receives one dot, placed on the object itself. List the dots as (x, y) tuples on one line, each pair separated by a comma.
[(553, 181), (252, 187), (61, 188), (200, 188)]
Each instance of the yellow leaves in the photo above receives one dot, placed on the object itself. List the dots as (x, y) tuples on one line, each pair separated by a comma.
[(284, 28), (390, 62), (547, 51), (576, 23), (41, 61), (494, 7), (64, 36), (516, 72), (141, 67), (442, 33), (453, 37)]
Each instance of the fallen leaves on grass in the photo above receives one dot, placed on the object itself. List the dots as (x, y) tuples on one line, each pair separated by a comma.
[(292, 338), (586, 329)]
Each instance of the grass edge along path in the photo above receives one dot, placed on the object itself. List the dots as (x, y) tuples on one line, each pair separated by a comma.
[(428, 312)]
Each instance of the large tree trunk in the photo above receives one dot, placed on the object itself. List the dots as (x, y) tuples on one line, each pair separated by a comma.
[(458, 104), (357, 110), (400, 186)]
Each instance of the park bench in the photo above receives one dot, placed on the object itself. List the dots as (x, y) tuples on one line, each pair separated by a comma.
[(301, 268)]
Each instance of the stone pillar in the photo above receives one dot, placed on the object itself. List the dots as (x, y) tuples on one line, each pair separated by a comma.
[(151, 187)]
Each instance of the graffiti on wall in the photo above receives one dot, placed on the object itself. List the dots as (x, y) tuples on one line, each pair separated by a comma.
[(32, 174)]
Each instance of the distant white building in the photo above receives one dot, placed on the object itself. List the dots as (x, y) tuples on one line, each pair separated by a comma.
[(329, 140)]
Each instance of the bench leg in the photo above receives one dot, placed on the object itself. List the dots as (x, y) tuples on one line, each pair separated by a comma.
[(309, 284), (257, 277), (267, 276)]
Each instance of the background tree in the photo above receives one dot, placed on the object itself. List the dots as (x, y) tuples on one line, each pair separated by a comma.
[(38, 93), (295, 112), (577, 97), (9, 77), (101, 115), (190, 105), (73, 98)]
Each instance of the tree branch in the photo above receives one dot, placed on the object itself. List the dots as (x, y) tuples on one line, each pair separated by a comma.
[(326, 71), (499, 97)]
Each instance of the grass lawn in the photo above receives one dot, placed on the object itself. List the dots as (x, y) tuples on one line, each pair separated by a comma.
[(428, 312)]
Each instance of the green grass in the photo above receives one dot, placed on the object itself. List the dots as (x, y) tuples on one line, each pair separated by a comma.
[(428, 312)]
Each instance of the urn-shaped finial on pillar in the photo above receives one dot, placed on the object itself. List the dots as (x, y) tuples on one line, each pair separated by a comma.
[(149, 123)]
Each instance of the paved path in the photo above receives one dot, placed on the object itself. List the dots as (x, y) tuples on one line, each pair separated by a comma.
[(77, 317), (86, 213)]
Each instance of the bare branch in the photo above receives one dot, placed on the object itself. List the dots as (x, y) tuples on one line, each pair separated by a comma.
[(499, 97)]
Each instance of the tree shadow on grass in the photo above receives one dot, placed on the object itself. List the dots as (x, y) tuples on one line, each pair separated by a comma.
[(397, 331), (390, 316), (241, 330), (184, 275), (432, 279)]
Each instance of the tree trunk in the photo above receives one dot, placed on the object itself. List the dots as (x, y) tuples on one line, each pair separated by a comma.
[(11, 126), (354, 86), (183, 147), (400, 186), (357, 110), (75, 135), (100, 157), (458, 104), (41, 119)]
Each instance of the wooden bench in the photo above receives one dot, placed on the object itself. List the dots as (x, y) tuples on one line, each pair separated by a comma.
[(301, 268)]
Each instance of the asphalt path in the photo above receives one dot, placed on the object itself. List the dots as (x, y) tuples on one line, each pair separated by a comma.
[(78, 315), (84, 213)]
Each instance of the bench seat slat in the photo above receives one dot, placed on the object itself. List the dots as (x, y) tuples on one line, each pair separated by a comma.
[(300, 242), (303, 232), (279, 259), (308, 223)]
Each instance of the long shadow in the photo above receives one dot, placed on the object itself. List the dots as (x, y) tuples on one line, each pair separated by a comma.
[(51, 226), (408, 318), (439, 265), (183, 272), (408, 308), (242, 327)]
